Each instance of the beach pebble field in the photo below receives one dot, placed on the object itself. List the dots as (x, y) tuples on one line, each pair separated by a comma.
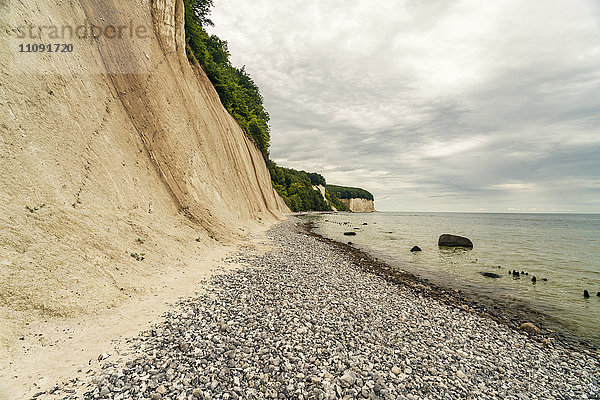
[(302, 321)]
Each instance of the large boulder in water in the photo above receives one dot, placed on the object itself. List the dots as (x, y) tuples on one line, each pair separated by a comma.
[(447, 240)]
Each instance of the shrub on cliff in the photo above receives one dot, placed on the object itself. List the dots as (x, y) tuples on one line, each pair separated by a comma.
[(238, 93)]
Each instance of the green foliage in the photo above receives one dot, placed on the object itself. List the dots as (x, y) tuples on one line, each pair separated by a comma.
[(295, 187), (344, 192), (237, 91), (334, 201), (201, 10), (316, 179)]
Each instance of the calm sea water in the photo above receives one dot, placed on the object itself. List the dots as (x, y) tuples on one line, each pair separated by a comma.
[(563, 248)]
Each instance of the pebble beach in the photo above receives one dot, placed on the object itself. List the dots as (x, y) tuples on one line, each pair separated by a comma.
[(306, 321)]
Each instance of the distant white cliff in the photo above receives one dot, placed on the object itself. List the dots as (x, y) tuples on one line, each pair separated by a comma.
[(359, 205)]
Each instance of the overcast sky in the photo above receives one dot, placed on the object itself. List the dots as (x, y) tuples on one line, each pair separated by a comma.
[(431, 105)]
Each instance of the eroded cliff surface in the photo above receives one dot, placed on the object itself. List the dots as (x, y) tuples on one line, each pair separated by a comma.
[(359, 205), (117, 148)]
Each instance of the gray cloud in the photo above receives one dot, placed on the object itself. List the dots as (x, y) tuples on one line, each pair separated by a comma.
[(449, 106)]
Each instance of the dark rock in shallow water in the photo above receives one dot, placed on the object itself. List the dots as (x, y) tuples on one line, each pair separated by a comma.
[(598, 294), (447, 240), (350, 233), (586, 294), (533, 279), (364, 223), (350, 243), (490, 274), (416, 248)]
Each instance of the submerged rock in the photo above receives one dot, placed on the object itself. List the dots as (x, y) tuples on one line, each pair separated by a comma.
[(447, 240), (490, 275), (416, 248), (530, 328)]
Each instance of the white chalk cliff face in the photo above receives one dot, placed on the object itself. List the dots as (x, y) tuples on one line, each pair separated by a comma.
[(116, 141), (359, 205)]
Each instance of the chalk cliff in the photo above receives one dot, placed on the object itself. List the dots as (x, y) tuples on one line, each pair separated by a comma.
[(359, 205), (113, 150)]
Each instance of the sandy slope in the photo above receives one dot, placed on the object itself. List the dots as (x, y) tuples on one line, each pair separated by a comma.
[(54, 350), (120, 147)]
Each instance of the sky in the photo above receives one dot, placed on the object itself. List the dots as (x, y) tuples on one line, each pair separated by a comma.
[(433, 105)]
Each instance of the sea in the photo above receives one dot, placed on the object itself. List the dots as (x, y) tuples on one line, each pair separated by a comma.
[(561, 250)]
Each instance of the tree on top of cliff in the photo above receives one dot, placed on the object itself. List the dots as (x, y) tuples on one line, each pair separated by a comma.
[(316, 179), (202, 10), (345, 192), (238, 93)]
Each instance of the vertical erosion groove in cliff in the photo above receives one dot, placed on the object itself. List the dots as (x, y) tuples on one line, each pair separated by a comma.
[(100, 152), (199, 151)]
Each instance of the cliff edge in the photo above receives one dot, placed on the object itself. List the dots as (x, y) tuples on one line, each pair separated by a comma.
[(355, 199)]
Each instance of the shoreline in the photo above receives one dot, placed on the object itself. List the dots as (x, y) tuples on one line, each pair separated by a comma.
[(471, 302), (302, 317)]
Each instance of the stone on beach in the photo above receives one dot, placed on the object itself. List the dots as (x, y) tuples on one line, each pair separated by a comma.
[(447, 240), (348, 378), (161, 389), (530, 328)]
